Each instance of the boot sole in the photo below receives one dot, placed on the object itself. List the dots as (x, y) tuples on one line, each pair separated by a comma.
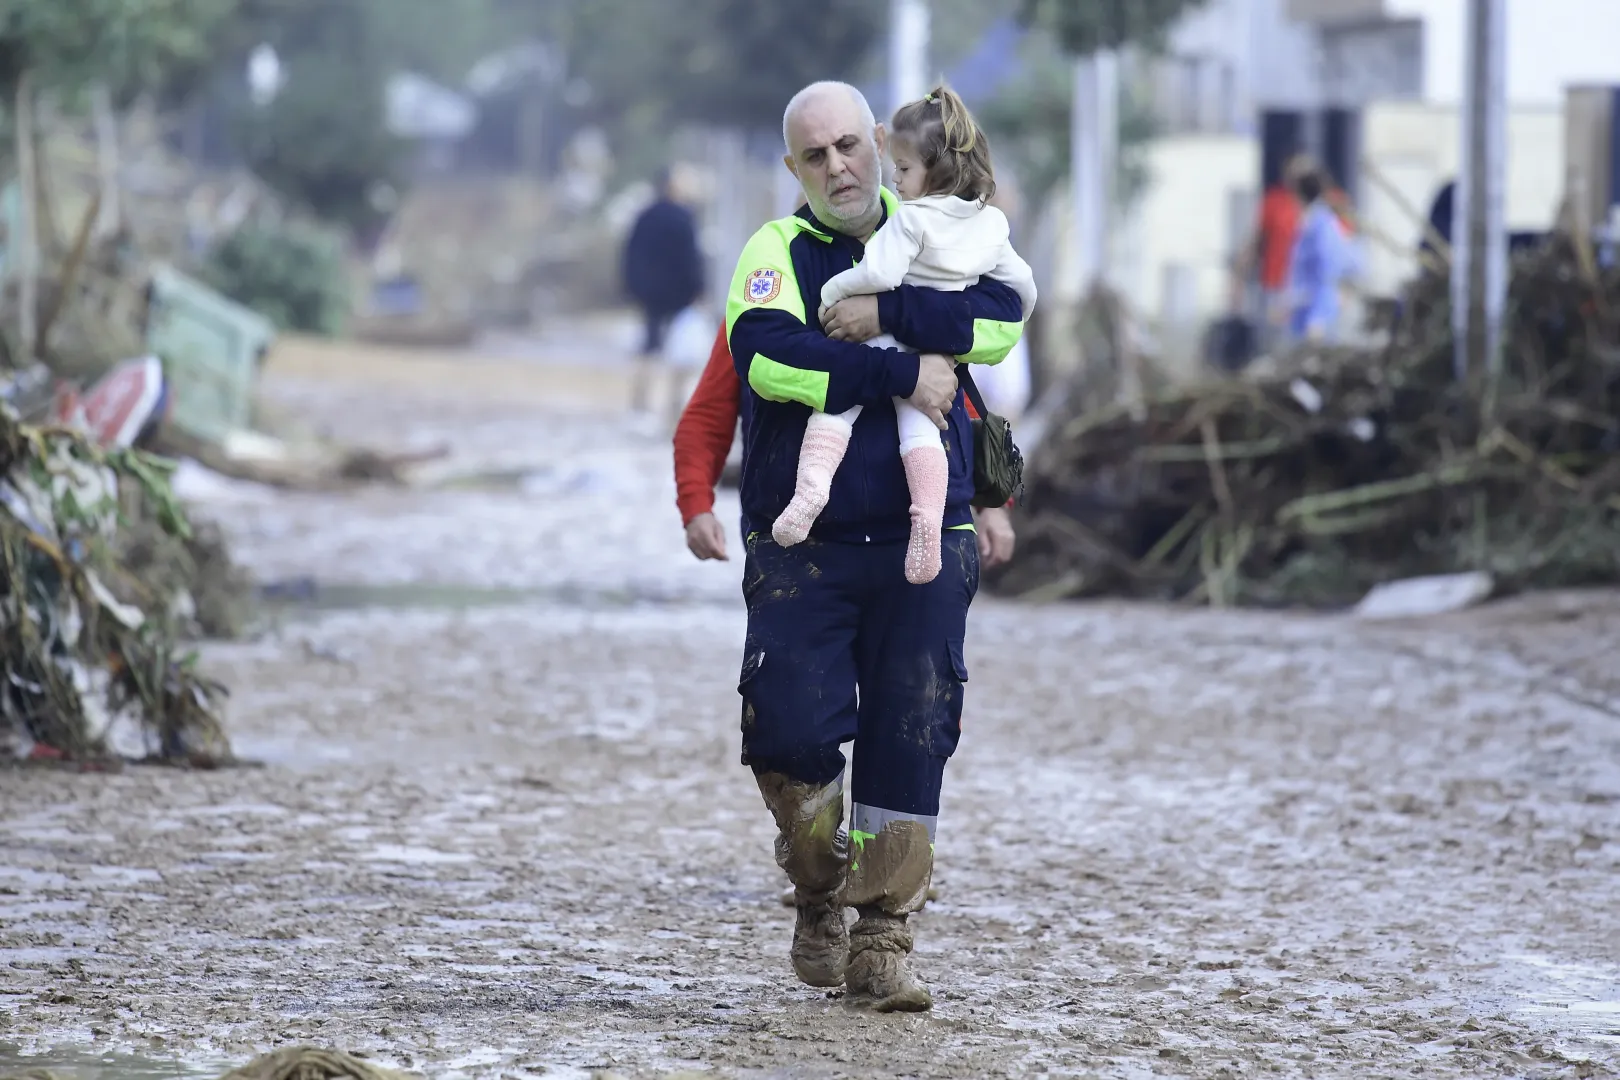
[(819, 980), (913, 1000)]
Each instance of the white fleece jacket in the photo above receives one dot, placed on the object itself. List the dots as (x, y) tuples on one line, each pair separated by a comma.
[(939, 241)]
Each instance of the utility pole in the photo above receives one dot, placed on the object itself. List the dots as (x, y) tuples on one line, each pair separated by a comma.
[(1094, 116), (908, 51), (1479, 251)]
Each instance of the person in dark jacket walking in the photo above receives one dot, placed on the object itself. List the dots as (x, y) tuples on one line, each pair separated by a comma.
[(663, 272)]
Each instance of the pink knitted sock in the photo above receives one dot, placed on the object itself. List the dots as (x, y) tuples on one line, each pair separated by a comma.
[(825, 440), (928, 474)]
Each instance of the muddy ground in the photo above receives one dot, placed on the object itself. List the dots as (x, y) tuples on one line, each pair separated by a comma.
[(501, 829)]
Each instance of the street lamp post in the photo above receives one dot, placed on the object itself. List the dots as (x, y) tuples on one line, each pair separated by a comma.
[(1479, 266), (908, 51)]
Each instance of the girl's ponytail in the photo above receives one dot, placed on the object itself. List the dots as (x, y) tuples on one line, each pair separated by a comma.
[(955, 153)]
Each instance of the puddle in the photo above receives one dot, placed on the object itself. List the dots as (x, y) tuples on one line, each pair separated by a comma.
[(1579, 1000), (80, 1064), (413, 856), (302, 750)]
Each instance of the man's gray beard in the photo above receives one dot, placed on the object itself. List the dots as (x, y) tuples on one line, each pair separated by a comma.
[(831, 217)]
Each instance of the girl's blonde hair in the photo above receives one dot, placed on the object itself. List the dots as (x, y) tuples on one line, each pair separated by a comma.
[(954, 152)]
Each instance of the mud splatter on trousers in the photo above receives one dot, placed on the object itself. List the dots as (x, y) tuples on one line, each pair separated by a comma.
[(841, 648)]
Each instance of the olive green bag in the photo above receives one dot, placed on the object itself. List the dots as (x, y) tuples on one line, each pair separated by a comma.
[(998, 465)]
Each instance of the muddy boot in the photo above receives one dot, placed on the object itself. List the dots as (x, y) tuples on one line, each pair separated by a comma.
[(890, 877), (879, 971), (813, 849)]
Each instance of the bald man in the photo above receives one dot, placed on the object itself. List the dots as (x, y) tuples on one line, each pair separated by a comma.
[(840, 647)]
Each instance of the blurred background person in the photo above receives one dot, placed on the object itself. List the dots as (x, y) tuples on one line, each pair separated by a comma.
[(1272, 247), (663, 273), (1320, 263)]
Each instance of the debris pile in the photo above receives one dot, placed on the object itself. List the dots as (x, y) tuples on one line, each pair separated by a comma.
[(311, 1063), (93, 665), (289, 1063), (1342, 468)]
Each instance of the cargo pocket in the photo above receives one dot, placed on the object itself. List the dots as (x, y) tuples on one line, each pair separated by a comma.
[(753, 575), (753, 660), (948, 705)]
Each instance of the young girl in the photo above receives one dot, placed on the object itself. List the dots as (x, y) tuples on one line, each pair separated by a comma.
[(943, 236)]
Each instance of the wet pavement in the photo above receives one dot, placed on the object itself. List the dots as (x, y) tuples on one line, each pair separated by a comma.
[(500, 828)]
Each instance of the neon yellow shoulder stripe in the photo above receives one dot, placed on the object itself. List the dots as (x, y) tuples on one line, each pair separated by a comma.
[(764, 280)]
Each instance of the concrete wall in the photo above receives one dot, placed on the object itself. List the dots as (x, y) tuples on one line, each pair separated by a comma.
[(1551, 43), (1272, 58), (1181, 234), (1416, 147)]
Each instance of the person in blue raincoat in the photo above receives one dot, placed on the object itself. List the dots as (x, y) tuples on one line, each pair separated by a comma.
[(1323, 258)]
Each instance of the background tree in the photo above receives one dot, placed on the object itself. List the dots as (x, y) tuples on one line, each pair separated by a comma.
[(1081, 27), (1033, 115), (63, 46), (640, 68), (1029, 122)]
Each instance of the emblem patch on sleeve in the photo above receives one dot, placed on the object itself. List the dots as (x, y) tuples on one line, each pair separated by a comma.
[(762, 286)]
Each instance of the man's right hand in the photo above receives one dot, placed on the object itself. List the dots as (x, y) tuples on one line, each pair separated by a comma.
[(936, 387), (706, 537)]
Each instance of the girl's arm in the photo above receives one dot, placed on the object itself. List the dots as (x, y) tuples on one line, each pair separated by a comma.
[(889, 254), (1014, 271)]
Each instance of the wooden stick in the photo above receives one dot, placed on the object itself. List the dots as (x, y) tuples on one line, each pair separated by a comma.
[(70, 272), (1422, 220), (27, 245), (1217, 471)]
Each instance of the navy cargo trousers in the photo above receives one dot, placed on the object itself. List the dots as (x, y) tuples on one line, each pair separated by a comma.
[(841, 648)]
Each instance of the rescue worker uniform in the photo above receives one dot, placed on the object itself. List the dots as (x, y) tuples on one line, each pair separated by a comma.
[(840, 647)]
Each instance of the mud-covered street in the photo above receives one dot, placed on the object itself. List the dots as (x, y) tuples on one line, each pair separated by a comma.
[(501, 828)]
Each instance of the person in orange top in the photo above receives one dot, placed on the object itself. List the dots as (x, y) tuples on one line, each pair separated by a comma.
[(1274, 238), (703, 438)]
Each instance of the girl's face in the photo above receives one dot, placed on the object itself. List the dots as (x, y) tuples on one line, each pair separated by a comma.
[(909, 174)]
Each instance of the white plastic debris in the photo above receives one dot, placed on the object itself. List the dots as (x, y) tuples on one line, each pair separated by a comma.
[(1415, 597), (1308, 396)]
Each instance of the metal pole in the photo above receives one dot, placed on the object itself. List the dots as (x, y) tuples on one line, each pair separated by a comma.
[(1495, 210), (1094, 144), (1083, 155), (1107, 153), (908, 51), (1479, 265)]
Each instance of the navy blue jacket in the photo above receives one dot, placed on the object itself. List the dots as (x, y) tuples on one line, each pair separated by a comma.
[(662, 265)]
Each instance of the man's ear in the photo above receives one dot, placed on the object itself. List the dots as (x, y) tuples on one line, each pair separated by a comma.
[(881, 134), (792, 166)]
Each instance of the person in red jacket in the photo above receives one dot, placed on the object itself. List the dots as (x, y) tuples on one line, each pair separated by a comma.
[(703, 438)]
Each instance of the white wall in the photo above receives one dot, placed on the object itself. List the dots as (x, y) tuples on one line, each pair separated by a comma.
[(1551, 43), (1416, 148), (1273, 58), (1183, 220)]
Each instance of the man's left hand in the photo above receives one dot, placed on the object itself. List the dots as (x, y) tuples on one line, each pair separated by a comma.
[(996, 538), (706, 537), (852, 319)]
